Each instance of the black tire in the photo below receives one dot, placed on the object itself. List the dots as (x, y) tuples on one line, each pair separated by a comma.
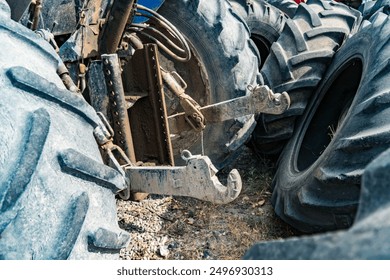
[(289, 7), (229, 63), (56, 195), (317, 184), (367, 239), (265, 23), (366, 8), (297, 63), (369, 8)]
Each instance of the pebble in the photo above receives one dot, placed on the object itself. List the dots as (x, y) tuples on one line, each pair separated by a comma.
[(165, 228), (143, 221), (163, 251)]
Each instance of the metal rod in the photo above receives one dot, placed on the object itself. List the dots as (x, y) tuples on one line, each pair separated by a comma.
[(115, 26)]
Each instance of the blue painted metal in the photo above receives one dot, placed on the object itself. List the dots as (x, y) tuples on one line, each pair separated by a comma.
[(151, 4)]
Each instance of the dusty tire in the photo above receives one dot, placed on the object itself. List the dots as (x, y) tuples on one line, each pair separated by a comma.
[(369, 8), (297, 63), (317, 185), (289, 7), (220, 41), (367, 239), (265, 23), (56, 196)]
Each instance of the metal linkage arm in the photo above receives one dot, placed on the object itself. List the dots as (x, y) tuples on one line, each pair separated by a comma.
[(197, 179), (261, 100)]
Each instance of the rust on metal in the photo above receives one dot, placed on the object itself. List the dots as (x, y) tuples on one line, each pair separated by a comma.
[(148, 115), (119, 115), (114, 28), (63, 73), (193, 115), (35, 11)]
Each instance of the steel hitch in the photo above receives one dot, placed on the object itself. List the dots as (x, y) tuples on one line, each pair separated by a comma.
[(196, 179), (261, 100)]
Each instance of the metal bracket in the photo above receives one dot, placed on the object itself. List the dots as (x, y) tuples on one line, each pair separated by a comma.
[(148, 116), (197, 179), (119, 114)]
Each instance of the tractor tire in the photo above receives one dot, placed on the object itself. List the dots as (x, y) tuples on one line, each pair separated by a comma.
[(368, 9), (265, 23), (297, 63), (224, 62), (288, 7), (317, 184), (57, 198)]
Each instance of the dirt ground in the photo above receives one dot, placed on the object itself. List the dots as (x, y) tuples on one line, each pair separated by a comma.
[(180, 228)]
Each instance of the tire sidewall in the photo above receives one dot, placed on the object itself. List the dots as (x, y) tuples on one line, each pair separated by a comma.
[(351, 51), (289, 182)]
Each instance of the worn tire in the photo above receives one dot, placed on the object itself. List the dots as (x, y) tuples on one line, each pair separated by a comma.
[(368, 9), (297, 63), (289, 7), (56, 196), (221, 43), (265, 23), (367, 239), (317, 185)]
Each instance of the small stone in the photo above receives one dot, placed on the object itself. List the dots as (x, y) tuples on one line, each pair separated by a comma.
[(259, 203), (163, 251), (191, 214), (173, 245), (163, 240), (206, 254)]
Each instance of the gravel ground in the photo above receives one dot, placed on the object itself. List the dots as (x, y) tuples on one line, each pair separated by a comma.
[(180, 228)]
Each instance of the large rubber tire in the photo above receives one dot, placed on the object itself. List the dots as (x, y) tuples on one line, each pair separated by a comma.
[(229, 63), (56, 196), (369, 8), (317, 184), (289, 7), (265, 23), (367, 239), (297, 63)]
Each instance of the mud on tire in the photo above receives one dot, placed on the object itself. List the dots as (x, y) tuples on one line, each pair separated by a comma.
[(56, 196), (297, 63), (317, 185)]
